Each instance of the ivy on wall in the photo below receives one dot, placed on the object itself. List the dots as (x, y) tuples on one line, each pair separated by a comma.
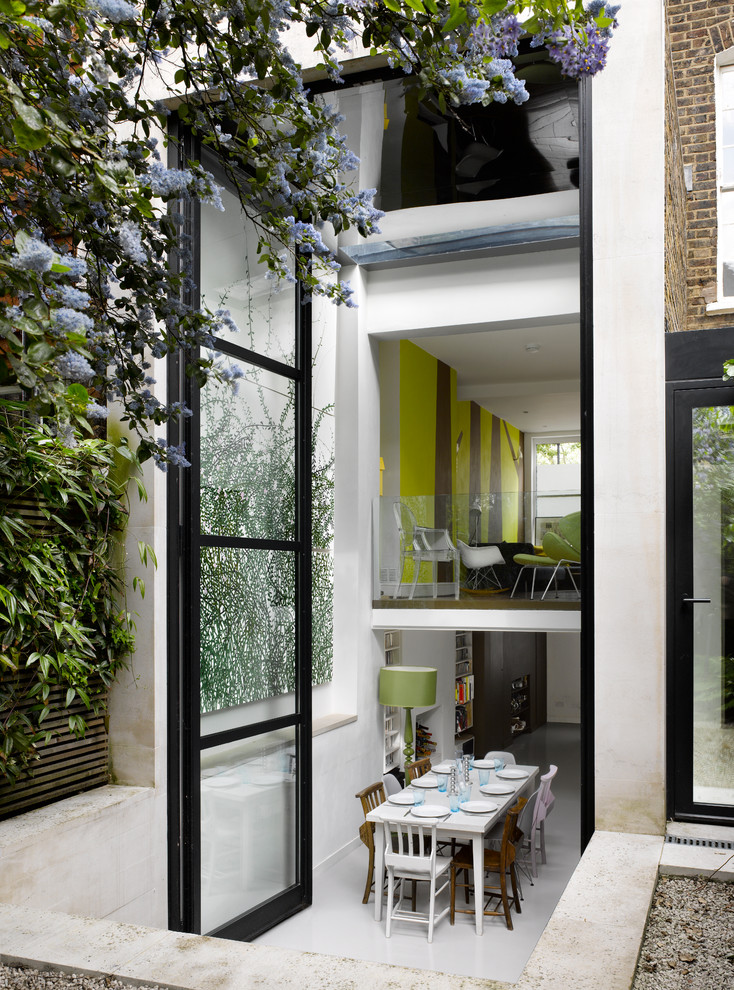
[(62, 612)]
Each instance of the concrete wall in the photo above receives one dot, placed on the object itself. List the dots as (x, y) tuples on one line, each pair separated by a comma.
[(629, 434)]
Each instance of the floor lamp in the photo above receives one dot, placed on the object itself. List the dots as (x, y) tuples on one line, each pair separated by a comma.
[(408, 687)]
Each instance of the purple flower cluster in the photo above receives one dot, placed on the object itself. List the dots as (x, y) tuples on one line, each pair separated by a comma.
[(498, 38), (116, 11), (74, 368), (129, 237), (576, 55), (95, 411), (170, 455), (70, 320), (35, 256), (73, 298)]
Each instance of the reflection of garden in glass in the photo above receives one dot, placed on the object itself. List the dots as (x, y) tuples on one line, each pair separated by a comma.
[(713, 537), (247, 625), (248, 490), (247, 485)]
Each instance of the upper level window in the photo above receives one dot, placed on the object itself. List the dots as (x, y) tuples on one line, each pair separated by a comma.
[(725, 175)]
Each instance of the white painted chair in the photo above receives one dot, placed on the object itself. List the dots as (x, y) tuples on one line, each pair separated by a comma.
[(498, 754), (543, 807), (410, 854)]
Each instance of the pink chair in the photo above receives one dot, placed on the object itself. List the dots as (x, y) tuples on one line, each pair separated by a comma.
[(543, 807)]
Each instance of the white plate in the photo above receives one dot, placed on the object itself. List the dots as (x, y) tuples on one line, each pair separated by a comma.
[(403, 797), (444, 767), (483, 764), (427, 780), (229, 781), (430, 811), (510, 774), (266, 779), (497, 789), (478, 807)]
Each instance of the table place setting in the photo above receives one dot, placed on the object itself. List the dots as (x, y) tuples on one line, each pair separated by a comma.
[(427, 780), (477, 799), (497, 789), (402, 797)]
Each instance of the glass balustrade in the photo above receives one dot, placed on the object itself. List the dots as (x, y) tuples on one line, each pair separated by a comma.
[(440, 546)]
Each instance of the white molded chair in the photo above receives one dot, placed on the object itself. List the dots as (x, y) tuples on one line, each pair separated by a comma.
[(497, 754), (423, 544), (543, 807), (479, 563), (391, 784), (415, 859)]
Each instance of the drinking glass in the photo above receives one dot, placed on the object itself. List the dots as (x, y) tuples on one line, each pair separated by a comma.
[(464, 792), (419, 795), (443, 781), (454, 801), (499, 764), (483, 777)]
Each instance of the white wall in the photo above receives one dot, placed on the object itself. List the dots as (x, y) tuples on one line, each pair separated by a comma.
[(629, 376), (563, 662), (435, 649)]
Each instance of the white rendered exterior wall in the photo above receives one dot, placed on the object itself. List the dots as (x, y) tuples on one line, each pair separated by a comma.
[(629, 426)]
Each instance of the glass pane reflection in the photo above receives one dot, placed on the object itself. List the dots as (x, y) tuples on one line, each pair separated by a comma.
[(247, 626), (231, 278), (248, 485), (248, 825), (713, 624)]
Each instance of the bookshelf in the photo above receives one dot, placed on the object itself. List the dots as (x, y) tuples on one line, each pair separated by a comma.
[(464, 692), (391, 715)]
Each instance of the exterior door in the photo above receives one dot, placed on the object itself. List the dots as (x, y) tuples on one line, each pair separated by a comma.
[(702, 604), (240, 619)]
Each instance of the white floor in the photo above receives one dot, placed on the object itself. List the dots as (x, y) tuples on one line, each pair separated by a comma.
[(339, 924)]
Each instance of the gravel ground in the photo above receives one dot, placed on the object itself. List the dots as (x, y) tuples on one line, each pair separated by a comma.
[(689, 940), (24, 978)]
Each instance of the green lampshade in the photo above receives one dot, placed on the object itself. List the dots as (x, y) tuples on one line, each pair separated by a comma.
[(408, 687)]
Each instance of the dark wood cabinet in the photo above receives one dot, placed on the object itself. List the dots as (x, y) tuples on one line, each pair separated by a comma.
[(509, 687)]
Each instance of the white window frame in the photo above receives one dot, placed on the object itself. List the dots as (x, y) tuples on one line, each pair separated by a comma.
[(724, 63)]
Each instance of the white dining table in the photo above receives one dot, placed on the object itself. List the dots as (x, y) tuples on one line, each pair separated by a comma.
[(458, 825)]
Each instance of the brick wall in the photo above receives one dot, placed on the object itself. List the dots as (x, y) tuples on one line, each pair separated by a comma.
[(675, 209), (698, 30)]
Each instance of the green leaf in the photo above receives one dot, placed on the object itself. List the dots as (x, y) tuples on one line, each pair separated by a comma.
[(28, 114), (458, 17), (416, 5), (78, 396), (27, 137), (70, 695), (39, 352), (35, 309)]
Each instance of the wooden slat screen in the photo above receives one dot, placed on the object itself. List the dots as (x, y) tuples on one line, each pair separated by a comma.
[(67, 765)]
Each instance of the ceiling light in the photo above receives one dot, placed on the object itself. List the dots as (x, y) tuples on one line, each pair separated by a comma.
[(532, 348)]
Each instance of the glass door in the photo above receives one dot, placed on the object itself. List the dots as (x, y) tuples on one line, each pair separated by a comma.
[(702, 681), (240, 807)]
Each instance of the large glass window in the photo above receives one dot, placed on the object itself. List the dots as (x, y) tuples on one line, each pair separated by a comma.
[(243, 599)]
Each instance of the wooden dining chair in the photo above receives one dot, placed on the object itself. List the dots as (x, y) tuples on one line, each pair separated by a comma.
[(501, 862), (371, 797), (417, 769)]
